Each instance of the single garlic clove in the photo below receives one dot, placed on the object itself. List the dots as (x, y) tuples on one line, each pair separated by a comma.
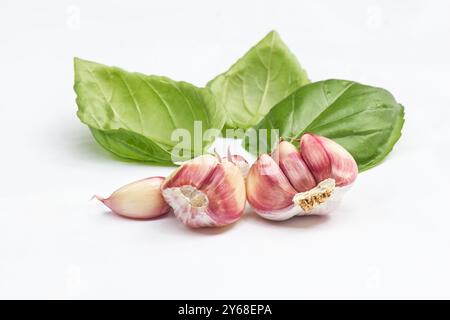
[(294, 168), (343, 167), (267, 187), (139, 200), (216, 199), (315, 157), (225, 191)]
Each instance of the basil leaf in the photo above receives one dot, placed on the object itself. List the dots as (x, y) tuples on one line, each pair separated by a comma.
[(365, 120), (131, 145), (133, 115), (265, 75)]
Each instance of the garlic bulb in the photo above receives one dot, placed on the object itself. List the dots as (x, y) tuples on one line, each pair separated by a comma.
[(206, 192), (139, 200), (294, 182)]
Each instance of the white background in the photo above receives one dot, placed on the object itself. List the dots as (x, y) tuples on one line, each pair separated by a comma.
[(390, 238)]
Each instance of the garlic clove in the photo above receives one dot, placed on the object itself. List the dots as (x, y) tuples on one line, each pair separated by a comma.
[(216, 199), (294, 168), (139, 200), (225, 190), (315, 157), (267, 187), (343, 167)]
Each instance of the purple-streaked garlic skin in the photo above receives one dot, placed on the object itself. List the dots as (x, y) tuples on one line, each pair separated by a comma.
[(344, 169), (239, 161), (315, 157), (206, 192), (309, 181), (141, 199), (268, 189), (293, 166)]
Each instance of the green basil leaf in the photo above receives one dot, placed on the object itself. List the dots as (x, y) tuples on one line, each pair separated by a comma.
[(365, 120), (265, 75), (129, 145), (134, 115)]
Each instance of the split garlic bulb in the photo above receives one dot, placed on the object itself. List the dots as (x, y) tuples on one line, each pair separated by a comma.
[(294, 182), (139, 200), (206, 192)]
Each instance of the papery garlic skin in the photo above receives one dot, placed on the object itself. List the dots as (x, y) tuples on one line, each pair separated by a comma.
[(344, 169), (268, 189), (293, 166), (240, 162), (138, 200), (237, 160), (206, 192), (309, 181)]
